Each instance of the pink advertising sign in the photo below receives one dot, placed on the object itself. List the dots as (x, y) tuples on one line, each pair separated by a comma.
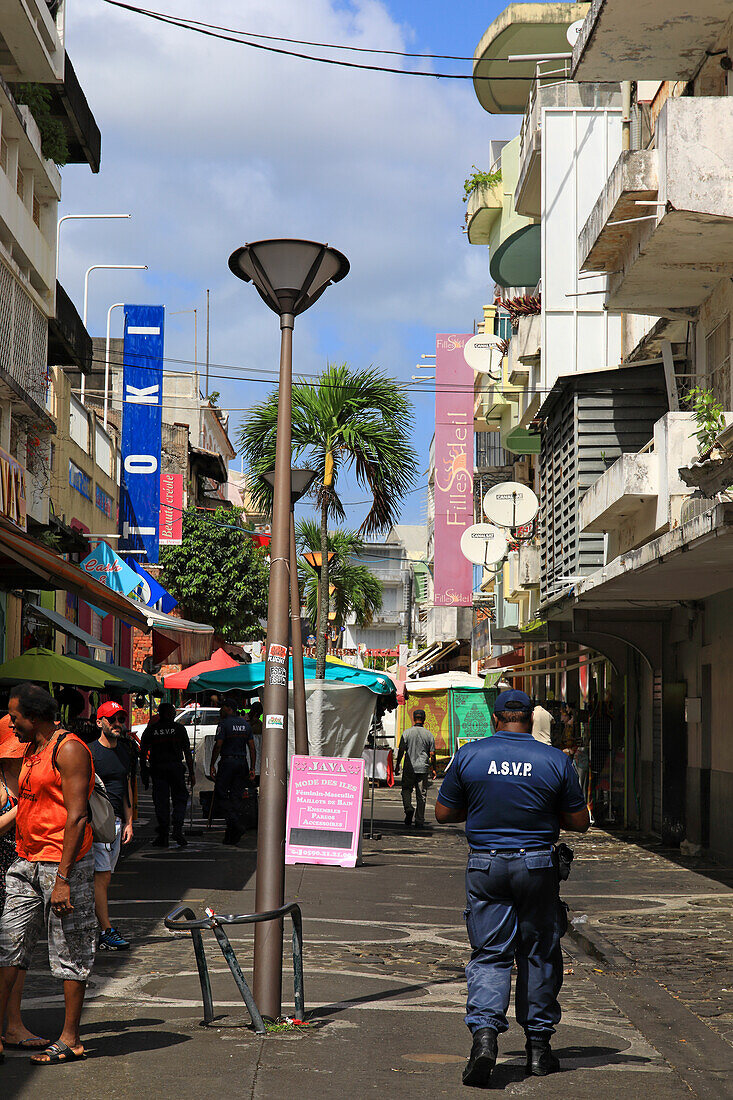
[(171, 509), (324, 810), (453, 574)]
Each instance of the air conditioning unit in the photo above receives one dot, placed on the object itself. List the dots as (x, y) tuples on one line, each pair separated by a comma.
[(523, 472)]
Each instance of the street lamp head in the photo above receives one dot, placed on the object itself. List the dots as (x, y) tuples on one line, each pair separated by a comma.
[(300, 482), (289, 275)]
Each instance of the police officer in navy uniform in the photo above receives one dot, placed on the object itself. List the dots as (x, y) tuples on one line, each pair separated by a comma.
[(514, 793)]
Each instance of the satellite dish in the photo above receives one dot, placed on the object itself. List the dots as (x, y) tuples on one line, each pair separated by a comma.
[(573, 31), (484, 352), (483, 544), (511, 504)]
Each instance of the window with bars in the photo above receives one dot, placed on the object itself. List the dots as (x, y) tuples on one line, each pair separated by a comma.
[(717, 363), (20, 184), (23, 338), (3, 155), (36, 212)]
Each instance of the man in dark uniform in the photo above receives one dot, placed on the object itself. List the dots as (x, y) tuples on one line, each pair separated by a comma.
[(163, 747), (514, 793), (236, 747)]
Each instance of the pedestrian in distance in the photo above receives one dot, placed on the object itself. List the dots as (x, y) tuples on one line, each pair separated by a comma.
[(542, 725), (114, 763), (234, 748), (164, 746), (514, 793), (50, 886), (417, 747), (16, 1035)]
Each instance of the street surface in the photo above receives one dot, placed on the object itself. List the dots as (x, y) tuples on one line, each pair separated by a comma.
[(647, 1000)]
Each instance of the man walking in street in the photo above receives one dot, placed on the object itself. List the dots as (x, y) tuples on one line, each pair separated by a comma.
[(417, 746), (163, 747), (514, 793), (114, 764), (50, 886), (235, 746)]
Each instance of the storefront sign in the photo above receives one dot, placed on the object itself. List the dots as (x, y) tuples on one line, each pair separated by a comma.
[(171, 509), (453, 575), (80, 481), (142, 383), (12, 490), (324, 810), (108, 568), (105, 503)]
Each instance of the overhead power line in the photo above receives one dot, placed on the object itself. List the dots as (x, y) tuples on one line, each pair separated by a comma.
[(211, 31)]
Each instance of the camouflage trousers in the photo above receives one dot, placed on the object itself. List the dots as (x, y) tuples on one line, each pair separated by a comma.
[(27, 914)]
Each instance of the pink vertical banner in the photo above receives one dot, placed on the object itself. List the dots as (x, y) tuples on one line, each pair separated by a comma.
[(171, 509), (324, 810), (452, 573)]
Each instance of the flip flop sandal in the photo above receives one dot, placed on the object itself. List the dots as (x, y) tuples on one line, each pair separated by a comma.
[(34, 1043), (58, 1053)]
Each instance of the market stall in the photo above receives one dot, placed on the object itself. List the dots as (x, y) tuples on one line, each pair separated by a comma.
[(457, 708)]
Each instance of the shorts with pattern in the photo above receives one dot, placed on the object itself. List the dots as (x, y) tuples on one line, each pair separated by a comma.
[(71, 938)]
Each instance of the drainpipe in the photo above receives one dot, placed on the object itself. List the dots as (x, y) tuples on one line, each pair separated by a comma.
[(625, 115)]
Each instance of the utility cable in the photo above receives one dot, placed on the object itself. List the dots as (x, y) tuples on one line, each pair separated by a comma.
[(209, 31)]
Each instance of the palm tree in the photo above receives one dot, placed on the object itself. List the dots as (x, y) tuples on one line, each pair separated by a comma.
[(353, 588), (344, 419)]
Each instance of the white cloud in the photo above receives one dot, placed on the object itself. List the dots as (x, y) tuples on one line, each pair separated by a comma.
[(209, 144)]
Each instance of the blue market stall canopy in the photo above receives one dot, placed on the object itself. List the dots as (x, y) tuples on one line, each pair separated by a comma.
[(249, 678)]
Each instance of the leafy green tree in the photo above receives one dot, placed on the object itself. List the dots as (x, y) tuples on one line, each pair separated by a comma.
[(53, 136), (356, 590), (344, 419), (217, 574)]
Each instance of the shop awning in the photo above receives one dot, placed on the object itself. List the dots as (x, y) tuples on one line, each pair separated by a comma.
[(25, 563), (178, 641), (68, 628), (431, 656)]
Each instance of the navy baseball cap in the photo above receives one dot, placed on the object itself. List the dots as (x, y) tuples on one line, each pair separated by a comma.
[(512, 700)]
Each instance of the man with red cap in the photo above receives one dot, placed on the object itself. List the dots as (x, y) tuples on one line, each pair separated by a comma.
[(114, 763)]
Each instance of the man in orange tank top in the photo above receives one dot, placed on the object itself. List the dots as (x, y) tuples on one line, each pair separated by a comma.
[(50, 886)]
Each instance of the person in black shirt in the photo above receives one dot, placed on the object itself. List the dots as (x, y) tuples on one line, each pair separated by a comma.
[(114, 763), (163, 747), (235, 745)]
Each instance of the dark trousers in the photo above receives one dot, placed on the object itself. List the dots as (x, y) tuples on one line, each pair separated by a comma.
[(232, 780), (169, 785), (514, 912), (417, 782)]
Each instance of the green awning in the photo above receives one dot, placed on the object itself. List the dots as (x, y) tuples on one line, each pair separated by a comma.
[(516, 262), (422, 575), (521, 441), (130, 677)]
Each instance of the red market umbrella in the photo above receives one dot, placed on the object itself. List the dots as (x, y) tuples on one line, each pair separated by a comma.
[(179, 680)]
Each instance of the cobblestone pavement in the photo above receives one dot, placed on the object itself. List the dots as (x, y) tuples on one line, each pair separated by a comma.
[(670, 917), (385, 948)]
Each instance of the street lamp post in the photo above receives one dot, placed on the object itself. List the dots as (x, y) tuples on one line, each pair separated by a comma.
[(289, 276), (300, 482), (100, 267), (80, 218)]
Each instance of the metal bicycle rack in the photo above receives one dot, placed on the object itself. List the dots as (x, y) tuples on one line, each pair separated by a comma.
[(183, 919)]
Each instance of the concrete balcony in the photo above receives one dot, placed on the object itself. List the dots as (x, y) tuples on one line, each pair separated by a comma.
[(551, 88), (484, 209), (525, 349), (628, 40), (641, 495), (31, 41), (663, 226), (69, 343), (69, 104)]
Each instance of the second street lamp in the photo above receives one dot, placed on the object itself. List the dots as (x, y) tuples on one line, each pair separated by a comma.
[(289, 275)]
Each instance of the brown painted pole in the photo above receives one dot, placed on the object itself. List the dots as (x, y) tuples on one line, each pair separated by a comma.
[(299, 707), (270, 887)]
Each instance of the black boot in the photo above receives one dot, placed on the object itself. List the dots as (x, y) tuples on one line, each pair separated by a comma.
[(482, 1059), (540, 1059)]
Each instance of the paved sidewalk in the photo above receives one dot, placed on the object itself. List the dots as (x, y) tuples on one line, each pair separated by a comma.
[(385, 948)]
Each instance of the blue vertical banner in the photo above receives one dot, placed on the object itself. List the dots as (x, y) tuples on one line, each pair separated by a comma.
[(142, 419)]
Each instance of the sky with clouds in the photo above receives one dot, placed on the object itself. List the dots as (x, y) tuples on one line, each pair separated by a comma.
[(210, 144)]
